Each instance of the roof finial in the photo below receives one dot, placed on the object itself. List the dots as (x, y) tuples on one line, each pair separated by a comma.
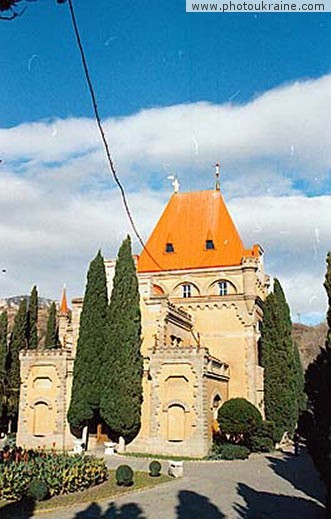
[(64, 309), (217, 176), (175, 182)]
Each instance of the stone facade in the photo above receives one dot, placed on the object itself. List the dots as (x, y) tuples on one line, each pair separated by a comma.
[(200, 344)]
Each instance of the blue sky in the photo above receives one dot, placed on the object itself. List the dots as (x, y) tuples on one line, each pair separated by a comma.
[(144, 54), (177, 93)]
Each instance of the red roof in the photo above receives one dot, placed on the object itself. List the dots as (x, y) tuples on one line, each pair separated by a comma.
[(188, 221)]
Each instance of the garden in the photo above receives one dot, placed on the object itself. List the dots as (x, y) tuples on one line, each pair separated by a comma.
[(51, 479), (241, 430)]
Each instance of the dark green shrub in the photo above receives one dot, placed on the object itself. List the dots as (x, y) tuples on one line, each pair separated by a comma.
[(234, 452), (217, 448), (38, 490), (124, 475), (262, 440), (239, 419), (155, 468)]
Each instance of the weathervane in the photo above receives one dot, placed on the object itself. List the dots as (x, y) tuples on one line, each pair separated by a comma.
[(217, 176), (175, 182)]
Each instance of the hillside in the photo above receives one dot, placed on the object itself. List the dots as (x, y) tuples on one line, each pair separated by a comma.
[(309, 340), (11, 304)]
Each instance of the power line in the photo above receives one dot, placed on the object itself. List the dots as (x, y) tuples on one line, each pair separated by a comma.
[(102, 133)]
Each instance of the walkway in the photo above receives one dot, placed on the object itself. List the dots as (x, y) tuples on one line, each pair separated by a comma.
[(273, 486)]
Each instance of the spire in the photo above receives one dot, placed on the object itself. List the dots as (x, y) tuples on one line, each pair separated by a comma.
[(175, 182), (217, 176), (64, 309)]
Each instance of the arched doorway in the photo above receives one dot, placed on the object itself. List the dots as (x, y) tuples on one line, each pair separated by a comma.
[(176, 423), (41, 419)]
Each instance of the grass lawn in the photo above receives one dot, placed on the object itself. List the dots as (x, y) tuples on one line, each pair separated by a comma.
[(160, 456), (107, 489)]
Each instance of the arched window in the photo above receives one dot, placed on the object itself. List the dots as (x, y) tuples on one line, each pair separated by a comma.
[(223, 288), (187, 290)]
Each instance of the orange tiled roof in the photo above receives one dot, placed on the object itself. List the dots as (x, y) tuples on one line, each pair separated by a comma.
[(187, 222), (64, 309)]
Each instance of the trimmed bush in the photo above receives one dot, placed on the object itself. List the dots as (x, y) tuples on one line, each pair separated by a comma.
[(239, 419), (262, 440), (61, 473), (234, 452), (38, 490), (124, 475), (155, 468)]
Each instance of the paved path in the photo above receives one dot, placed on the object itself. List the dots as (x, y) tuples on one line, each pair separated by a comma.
[(276, 486)]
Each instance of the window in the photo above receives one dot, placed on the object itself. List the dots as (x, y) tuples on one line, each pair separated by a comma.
[(223, 288), (210, 245), (169, 247), (187, 290)]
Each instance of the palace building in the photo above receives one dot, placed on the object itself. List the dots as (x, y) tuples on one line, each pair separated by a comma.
[(201, 302)]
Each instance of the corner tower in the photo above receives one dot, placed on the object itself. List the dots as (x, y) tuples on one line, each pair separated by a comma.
[(195, 257)]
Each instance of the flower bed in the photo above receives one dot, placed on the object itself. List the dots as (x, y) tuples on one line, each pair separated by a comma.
[(62, 473)]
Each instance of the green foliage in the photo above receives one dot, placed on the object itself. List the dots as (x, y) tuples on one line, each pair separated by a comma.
[(61, 473), (87, 380), (230, 451), (3, 359), (318, 389), (155, 468), (239, 419), (281, 362), (52, 335), (124, 475), (123, 363), (38, 490), (262, 440), (32, 320), (17, 342)]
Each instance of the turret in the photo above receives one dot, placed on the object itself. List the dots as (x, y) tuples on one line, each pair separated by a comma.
[(64, 318)]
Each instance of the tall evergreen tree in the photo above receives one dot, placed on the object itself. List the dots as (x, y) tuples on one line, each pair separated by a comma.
[(52, 331), (32, 331), (123, 364), (3, 359), (280, 379), (17, 342), (318, 389), (85, 398)]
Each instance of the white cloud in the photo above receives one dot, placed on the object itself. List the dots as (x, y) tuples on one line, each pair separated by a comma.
[(58, 203)]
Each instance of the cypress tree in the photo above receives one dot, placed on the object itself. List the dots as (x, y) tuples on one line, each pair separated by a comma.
[(123, 364), (318, 389), (52, 332), (85, 397), (17, 342), (277, 355), (3, 359), (32, 332)]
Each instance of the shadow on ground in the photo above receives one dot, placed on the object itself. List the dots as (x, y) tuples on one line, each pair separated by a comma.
[(190, 505), (300, 472), (129, 511), (22, 509), (275, 506), (193, 505)]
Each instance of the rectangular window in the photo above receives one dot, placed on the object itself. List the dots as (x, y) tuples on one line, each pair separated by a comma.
[(210, 245), (169, 247), (187, 290), (223, 288)]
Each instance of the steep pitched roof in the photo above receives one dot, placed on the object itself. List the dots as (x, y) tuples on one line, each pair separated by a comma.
[(188, 221), (64, 309)]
